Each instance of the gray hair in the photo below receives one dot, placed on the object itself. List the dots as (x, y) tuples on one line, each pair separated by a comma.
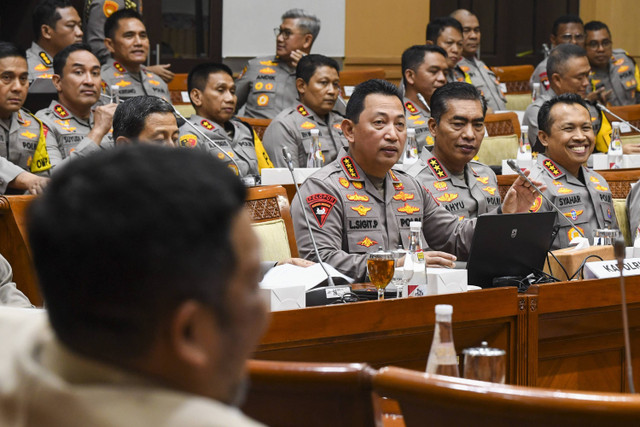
[(306, 20)]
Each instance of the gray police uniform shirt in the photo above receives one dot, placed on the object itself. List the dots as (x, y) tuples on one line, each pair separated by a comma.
[(540, 76), (292, 129), (531, 119), (18, 143), (633, 209), (69, 133), (473, 193), (619, 78), (350, 217), (588, 205), (134, 84), (486, 81), (10, 295), (418, 119), (457, 75), (95, 14), (266, 87), (240, 147), (39, 63)]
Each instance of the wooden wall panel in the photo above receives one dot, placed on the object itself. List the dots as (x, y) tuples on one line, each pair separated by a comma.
[(622, 18)]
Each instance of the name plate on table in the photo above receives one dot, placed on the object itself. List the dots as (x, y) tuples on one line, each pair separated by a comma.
[(282, 176), (608, 269)]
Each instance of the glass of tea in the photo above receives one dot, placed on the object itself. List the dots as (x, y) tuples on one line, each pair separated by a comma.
[(380, 265)]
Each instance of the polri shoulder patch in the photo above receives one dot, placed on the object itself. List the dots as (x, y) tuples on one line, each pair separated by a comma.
[(321, 204)]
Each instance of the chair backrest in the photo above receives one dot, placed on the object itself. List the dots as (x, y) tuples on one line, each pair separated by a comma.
[(494, 149), (630, 113), (516, 77), (176, 88), (14, 245), (310, 394), (269, 203), (447, 401), (356, 76), (258, 125), (502, 124)]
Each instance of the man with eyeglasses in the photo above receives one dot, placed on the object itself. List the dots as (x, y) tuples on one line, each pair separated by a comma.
[(613, 73), (481, 76), (267, 85), (566, 29)]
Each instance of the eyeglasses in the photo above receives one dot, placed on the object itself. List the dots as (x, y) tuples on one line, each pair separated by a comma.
[(566, 38), (285, 32), (594, 44)]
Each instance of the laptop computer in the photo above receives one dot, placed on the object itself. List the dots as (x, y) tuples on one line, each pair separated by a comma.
[(509, 245)]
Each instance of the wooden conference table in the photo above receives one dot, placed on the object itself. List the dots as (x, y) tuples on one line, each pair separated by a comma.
[(565, 335)]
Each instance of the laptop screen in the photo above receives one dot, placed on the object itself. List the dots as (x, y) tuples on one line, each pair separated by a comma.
[(509, 245)]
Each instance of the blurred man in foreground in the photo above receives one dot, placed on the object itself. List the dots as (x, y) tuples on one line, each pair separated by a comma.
[(149, 268)]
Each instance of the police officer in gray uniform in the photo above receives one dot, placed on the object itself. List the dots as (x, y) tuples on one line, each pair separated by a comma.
[(23, 138), (357, 203), (423, 71), (56, 25), (612, 70), (125, 69), (77, 129), (633, 208), (267, 85), (568, 69), (318, 84), (581, 194), (481, 76), (446, 32), (464, 187), (212, 93), (95, 14), (566, 29)]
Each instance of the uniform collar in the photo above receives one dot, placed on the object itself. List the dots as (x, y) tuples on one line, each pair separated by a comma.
[(207, 124)]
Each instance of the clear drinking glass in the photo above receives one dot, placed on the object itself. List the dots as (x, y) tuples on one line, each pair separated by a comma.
[(380, 266), (403, 271)]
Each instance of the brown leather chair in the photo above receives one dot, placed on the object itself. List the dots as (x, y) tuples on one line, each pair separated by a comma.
[(14, 245), (516, 77), (502, 142), (310, 394), (356, 76), (630, 113), (268, 203), (258, 125), (448, 401), (176, 87), (502, 124)]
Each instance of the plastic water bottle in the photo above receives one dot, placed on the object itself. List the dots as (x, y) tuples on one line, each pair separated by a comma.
[(315, 158), (418, 283), (410, 155), (524, 151), (535, 93), (614, 155), (442, 356)]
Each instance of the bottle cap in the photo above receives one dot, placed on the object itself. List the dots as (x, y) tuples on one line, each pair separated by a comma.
[(415, 225), (524, 129), (615, 125), (411, 132), (444, 309), (314, 132)]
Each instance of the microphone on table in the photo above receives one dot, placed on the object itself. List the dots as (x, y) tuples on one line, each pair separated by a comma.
[(513, 165), (606, 110), (287, 159), (619, 248)]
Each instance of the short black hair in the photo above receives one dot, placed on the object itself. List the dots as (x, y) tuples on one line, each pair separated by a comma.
[(9, 50), (112, 22), (308, 65), (130, 115), (544, 114), (565, 19), (46, 13), (436, 26), (560, 55), (455, 90), (199, 75), (122, 237), (355, 106), (596, 26), (414, 56), (60, 60)]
